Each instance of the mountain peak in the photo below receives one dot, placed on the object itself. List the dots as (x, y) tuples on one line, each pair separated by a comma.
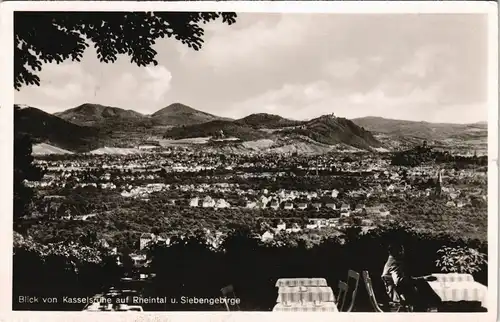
[(90, 106), (48, 128), (181, 114), (178, 106), (265, 120), (90, 114), (175, 108), (329, 129)]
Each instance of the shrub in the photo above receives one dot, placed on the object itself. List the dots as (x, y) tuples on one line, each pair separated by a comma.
[(251, 266), (460, 259)]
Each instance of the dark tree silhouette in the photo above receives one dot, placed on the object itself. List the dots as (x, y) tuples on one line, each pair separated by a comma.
[(24, 169), (44, 37)]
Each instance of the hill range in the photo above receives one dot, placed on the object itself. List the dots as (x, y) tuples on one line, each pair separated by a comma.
[(43, 127), (93, 126), (397, 134), (102, 116)]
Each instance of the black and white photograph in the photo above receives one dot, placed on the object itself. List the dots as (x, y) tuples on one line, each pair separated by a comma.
[(253, 161)]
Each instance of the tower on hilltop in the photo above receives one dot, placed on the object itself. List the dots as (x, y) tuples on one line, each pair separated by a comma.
[(438, 189)]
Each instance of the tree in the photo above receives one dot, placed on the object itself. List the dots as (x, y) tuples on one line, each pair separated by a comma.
[(45, 37), (88, 238), (24, 169)]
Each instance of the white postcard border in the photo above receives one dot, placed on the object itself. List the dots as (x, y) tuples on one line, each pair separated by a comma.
[(6, 139)]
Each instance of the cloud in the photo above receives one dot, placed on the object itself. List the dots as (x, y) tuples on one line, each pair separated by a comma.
[(428, 60), (306, 101), (286, 101), (263, 43), (141, 89), (70, 84), (289, 101), (65, 82), (295, 65), (157, 82), (257, 43), (63, 92), (62, 86), (345, 68), (124, 87)]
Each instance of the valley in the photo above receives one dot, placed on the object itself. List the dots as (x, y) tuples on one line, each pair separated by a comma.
[(91, 126)]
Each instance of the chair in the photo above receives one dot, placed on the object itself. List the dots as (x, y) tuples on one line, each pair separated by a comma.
[(371, 293), (228, 292), (396, 299), (353, 276), (341, 296)]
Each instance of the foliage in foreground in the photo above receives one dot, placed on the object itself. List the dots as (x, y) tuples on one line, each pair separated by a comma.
[(460, 260), (190, 267), (41, 37)]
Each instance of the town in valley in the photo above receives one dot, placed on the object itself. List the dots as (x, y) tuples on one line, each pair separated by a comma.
[(151, 174)]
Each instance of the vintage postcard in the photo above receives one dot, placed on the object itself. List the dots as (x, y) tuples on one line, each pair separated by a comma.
[(304, 160)]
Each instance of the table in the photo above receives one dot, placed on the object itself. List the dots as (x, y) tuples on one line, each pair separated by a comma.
[(315, 281), (456, 291), (306, 307), (453, 277), (288, 294)]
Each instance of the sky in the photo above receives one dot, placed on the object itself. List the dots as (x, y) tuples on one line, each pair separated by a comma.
[(422, 67)]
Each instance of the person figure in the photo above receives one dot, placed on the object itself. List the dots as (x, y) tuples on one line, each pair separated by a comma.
[(415, 291)]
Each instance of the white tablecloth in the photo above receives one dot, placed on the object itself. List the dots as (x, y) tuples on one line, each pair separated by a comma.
[(305, 294), (306, 307), (315, 281), (453, 277), (460, 291)]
